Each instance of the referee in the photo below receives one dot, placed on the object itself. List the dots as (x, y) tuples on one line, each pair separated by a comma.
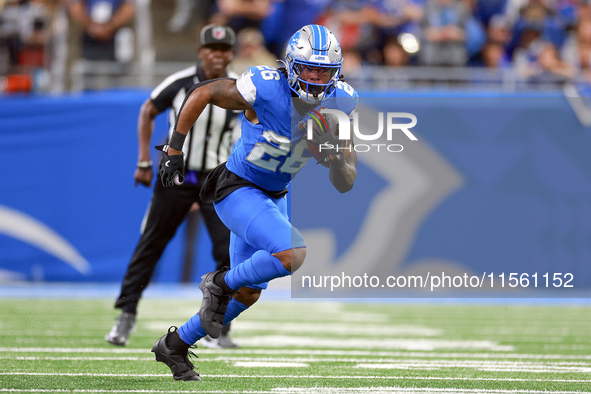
[(208, 145)]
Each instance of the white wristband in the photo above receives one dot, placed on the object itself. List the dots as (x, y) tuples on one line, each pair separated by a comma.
[(144, 164)]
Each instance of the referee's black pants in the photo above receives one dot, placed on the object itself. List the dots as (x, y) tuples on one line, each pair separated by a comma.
[(168, 209)]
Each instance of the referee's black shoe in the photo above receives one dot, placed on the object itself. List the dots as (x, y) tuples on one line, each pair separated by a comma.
[(176, 359), (215, 302)]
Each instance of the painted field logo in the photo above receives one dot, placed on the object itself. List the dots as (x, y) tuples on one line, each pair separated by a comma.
[(392, 124)]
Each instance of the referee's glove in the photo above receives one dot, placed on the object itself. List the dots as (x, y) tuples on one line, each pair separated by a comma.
[(172, 168)]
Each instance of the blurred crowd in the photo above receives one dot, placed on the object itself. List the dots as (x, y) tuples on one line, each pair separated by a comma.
[(25, 35), (540, 40)]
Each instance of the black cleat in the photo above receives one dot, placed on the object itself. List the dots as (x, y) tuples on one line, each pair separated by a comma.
[(177, 361), (119, 334), (214, 305)]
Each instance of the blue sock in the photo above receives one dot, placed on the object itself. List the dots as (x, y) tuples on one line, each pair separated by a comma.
[(191, 331), (234, 309), (261, 267)]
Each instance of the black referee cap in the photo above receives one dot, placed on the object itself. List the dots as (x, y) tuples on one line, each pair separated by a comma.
[(217, 34)]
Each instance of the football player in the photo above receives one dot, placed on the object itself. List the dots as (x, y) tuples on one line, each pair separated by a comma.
[(249, 190)]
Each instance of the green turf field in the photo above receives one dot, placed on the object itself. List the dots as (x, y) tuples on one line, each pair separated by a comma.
[(304, 347)]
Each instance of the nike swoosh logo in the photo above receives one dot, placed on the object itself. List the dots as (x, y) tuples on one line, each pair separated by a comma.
[(167, 162), (250, 73)]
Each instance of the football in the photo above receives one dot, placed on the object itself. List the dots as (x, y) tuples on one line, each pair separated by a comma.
[(321, 123)]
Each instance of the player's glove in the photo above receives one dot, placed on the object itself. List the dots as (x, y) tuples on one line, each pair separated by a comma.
[(171, 169), (328, 145)]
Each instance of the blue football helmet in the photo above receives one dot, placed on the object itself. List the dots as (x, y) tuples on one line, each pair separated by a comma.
[(313, 46)]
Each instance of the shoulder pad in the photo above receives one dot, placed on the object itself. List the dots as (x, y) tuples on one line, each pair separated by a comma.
[(259, 82), (344, 88)]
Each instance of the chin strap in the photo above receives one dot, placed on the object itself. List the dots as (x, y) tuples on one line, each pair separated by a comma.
[(315, 99)]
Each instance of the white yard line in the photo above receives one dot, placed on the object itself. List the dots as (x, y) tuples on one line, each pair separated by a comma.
[(270, 364), (342, 328), (317, 316), (68, 358), (369, 363), (310, 352), (406, 360), (299, 377), (416, 390), (492, 367), (71, 350), (324, 327), (377, 353), (130, 391), (355, 343), (280, 390)]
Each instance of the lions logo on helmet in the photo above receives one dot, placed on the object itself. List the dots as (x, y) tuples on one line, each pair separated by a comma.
[(313, 46), (293, 43)]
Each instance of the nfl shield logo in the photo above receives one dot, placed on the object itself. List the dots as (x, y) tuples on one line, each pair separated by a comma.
[(219, 33)]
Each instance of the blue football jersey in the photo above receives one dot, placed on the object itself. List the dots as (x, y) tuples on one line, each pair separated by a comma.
[(270, 153)]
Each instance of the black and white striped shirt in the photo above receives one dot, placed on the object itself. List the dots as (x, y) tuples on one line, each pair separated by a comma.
[(209, 141)]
